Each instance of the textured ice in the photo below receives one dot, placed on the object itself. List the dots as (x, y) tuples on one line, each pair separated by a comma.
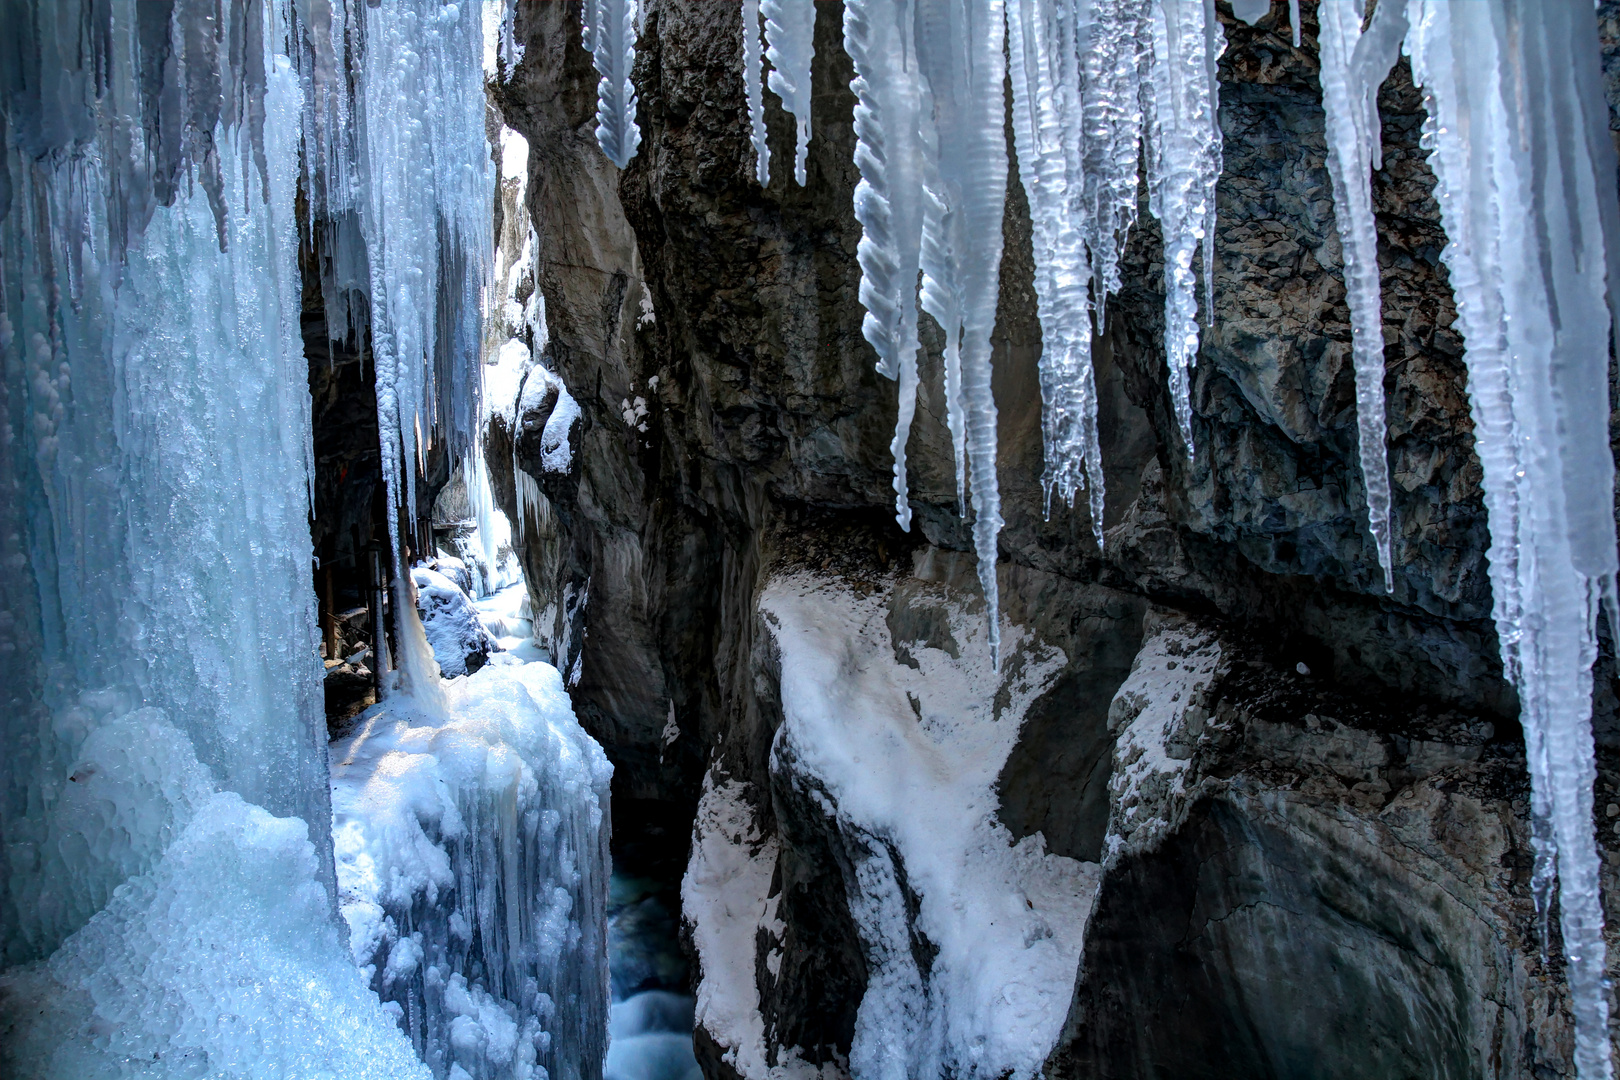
[(472, 866), (908, 760), (221, 961), (1183, 163), (1518, 130), (155, 526), (609, 30), (461, 642), (754, 91), (790, 28), (1354, 65)]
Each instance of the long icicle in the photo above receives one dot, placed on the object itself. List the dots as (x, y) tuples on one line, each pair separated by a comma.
[(1520, 148), (1354, 66)]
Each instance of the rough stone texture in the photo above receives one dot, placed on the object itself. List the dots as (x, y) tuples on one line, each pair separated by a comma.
[(766, 444)]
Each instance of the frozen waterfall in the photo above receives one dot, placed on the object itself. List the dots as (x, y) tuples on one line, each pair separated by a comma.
[(165, 783)]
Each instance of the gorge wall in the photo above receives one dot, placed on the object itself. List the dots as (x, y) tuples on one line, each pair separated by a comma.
[(1309, 849)]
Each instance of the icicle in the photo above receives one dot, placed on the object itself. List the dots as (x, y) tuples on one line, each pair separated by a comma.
[(1293, 20), (878, 35), (1354, 66), (790, 30), (755, 93), (1112, 64), (1184, 161), (1525, 172), (1043, 38), (960, 57), (609, 33)]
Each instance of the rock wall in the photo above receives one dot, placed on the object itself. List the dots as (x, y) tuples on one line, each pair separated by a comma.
[(733, 430)]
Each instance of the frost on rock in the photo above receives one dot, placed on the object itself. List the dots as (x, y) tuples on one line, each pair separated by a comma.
[(609, 29), (1533, 228), (905, 761), (1156, 718), (725, 898), (790, 30), (1183, 163), (1354, 66), (472, 869), (461, 642)]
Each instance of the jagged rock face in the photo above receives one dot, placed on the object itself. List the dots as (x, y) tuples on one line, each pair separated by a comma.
[(731, 312)]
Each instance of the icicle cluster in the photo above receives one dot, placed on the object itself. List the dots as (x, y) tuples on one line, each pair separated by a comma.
[(1520, 146), (609, 29), (754, 91), (933, 162), (1354, 66)]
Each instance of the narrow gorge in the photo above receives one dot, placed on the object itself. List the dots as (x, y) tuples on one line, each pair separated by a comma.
[(794, 540)]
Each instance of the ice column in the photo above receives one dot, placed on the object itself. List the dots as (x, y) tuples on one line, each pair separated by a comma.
[(1184, 161), (1520, 147), (1354, 65), (609, 31), (161, 712), (790, 30)]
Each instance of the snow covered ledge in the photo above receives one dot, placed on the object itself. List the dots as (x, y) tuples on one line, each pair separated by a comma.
[(971, 940)]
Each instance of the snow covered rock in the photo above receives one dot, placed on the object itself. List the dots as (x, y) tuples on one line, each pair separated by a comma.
[(461, 642)]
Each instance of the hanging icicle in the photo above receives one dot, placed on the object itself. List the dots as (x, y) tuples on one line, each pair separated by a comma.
[(1184, 161), (879, 37), (790, 30), (1043, 37), (960, 58), (608, 29), (1520, 147), (1354, 66), (755, 93)]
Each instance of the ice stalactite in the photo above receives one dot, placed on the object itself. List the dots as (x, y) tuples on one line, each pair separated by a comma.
[(1519, 141), (609, 29), (1354, 66), (1184, 161), (790, 30), (1043, 54), (880, 38), (155, 458), (755, 91), (964, 163)]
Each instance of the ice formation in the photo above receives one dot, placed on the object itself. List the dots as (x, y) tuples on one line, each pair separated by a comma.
[(905, 760), (460, 641), (1533, 224), (472, 866), (609, 29), (790, 29), (755, 91), (157, 598), (1183, 163), (1354, 66)]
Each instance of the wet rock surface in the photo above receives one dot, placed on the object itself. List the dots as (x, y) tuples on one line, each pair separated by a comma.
[(1379, 852)]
